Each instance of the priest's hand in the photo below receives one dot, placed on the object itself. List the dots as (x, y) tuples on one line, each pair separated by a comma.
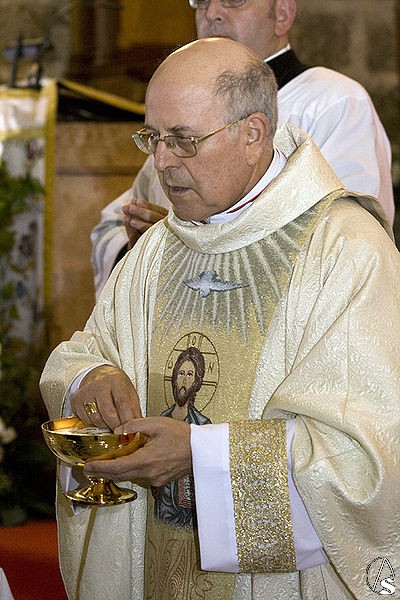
[(165, 457), (139, 216), (106, 398)]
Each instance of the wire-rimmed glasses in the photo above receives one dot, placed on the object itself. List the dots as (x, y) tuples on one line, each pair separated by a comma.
[(203, 4), (180, 145)]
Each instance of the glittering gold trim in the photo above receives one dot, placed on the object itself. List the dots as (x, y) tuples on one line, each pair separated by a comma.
[(261, 496), (106, 97)]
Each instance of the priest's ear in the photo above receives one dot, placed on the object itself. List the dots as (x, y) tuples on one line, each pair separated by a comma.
[(258, 132), (284, 13)]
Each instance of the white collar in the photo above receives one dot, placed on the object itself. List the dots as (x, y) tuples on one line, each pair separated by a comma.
[(282, 51)]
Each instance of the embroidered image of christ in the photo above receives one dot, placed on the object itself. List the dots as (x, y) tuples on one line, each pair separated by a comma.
[(174, 502)]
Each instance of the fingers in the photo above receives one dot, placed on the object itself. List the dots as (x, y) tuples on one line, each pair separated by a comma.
[(165, 457), (89, 408), (106, 398), (140, 215)]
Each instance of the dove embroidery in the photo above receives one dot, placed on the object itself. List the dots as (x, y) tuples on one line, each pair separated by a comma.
[(208, 282)]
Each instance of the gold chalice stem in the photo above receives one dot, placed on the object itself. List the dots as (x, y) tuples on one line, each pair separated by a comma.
[(101, 492)]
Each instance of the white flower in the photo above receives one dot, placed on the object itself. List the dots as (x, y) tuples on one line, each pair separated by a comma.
[(7, 434)]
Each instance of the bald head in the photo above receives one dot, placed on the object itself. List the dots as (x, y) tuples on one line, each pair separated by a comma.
[(228, 71), (206, 58), (211, 106)]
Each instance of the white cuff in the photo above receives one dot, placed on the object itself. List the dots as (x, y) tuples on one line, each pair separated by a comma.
[(307, 545), (214, 501)]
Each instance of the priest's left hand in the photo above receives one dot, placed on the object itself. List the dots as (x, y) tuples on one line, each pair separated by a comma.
[(165, 457)]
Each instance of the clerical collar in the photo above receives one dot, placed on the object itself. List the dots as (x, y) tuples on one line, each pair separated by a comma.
[(285, 65), (281, 51), (276, 166)]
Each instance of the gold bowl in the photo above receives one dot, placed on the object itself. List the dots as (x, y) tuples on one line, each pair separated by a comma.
[(75, 443)]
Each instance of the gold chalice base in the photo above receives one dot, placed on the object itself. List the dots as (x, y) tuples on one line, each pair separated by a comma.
[(73, 442)]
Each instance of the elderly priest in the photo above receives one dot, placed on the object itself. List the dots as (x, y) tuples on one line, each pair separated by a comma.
[(253, 336)]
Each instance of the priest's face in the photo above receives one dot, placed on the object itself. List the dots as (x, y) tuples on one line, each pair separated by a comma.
[(180, 101), (254, 24)]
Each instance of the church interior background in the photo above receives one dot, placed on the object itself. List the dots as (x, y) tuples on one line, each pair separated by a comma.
[(76, 73)]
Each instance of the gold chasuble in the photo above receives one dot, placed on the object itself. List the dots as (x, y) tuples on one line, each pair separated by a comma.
[(207, 305)]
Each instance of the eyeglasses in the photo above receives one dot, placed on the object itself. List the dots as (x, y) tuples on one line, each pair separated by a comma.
[(203, 4), (180, 145)]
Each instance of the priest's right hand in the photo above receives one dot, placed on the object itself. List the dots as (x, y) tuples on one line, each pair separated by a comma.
[(106, 398)]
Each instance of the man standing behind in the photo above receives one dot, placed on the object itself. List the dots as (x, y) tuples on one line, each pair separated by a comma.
[(335, 110), (260, 268)]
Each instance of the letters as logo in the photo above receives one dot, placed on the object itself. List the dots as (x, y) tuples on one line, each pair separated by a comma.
[(381, 576)]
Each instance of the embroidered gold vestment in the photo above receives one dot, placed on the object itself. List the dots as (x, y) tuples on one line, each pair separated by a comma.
[(207, 304)]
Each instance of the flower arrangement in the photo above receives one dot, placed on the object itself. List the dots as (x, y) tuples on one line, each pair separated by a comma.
[(26, 466)]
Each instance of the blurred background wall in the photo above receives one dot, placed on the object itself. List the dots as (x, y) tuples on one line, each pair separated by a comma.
[(118, 53), (361, 38)]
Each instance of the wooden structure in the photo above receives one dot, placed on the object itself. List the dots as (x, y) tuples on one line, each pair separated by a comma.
[(94, 163)]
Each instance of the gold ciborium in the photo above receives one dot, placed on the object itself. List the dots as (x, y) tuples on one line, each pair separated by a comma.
[(75, 443)]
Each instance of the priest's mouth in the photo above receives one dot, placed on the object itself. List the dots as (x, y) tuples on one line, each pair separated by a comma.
[(177, 189)]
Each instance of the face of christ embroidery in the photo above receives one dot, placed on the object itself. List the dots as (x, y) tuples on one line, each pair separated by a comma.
[(187, 379), (196, 348)]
